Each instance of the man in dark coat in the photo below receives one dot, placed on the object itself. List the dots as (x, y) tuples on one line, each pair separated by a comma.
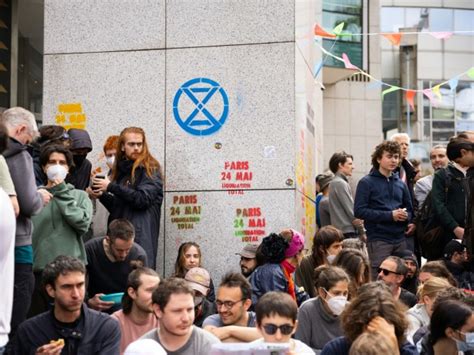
[(81, 145), (134, 190)]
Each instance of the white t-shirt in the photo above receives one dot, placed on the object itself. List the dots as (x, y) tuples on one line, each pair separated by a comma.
[(295, 345), (7, 263)]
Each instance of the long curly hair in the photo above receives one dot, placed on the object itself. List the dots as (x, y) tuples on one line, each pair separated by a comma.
[(374, 299)]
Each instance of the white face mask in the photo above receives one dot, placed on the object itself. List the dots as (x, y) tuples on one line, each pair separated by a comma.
[(336, 303), (56, 172), (330, 258), (110, 160)]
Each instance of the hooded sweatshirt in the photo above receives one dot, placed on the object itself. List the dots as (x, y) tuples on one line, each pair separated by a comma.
[(20, 165), (80, 174), (60, 226), (376, 197)]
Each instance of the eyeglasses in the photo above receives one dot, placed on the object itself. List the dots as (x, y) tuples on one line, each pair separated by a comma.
[(227, 304), (386, 272), (271, 329)]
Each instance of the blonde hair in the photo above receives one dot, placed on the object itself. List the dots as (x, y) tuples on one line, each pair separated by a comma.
[(372, 343), (432, 287)]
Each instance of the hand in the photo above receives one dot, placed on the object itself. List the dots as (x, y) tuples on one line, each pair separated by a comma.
[(399, 215), (100, 185), (93, 194), (411, 229), (97, 304), (56, 182), (16, 206), (45, 195), (50, 349), (459, 232), (357, 222), (363, 237)]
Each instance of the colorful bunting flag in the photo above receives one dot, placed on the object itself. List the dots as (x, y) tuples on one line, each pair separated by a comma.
[(338, 29), (390, 89), (394, 38), (441, 35), (410, 96), (317, 68), (429, 94), (374, 85), (435, 90), (453, 83), (470, 73), (319, 31), (347, 62)]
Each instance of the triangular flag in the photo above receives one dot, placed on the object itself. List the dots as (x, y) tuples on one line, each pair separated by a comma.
[(441, 35), (347, 62), (410, 95), (429, 94), (338, 29), (319, 31), (435, 90), (453, 83), (390, 89), (317, 68), (394, 38), (374, 85), (470, 73)]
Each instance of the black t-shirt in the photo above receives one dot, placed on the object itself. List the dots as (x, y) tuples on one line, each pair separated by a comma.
[(106, 276)]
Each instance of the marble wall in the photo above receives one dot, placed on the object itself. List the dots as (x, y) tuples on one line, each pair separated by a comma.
[(179, 69)]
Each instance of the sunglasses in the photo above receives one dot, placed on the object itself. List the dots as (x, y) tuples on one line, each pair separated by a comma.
[(386, 272), (271, 329)]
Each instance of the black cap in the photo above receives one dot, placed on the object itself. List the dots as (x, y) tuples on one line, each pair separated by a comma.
[(453, 247)]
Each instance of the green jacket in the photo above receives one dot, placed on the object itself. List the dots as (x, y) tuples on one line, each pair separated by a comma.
[(58, 229)]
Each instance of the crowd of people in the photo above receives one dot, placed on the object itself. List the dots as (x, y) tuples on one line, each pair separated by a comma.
[(388, 269)]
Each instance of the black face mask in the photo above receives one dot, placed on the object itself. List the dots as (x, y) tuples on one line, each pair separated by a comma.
[(79, 159)]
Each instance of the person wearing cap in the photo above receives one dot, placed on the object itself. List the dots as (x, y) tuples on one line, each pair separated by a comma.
[(136, 316), (324, 214), (455, 257), (341, 203), (411, 278), (199, 280), (234, 323), (248, 259), (283, 253)]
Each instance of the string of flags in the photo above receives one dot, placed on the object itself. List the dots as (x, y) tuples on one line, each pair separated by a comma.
[(432, 93)]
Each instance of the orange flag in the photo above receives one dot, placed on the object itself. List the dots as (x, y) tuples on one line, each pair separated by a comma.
[(319, 31), (394, 38), (410, 95)]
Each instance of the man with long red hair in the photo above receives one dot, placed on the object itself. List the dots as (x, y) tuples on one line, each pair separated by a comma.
[(134, 190)]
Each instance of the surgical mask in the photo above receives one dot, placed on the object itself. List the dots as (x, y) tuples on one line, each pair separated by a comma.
[(110, 160), (467, 345), (330, 258), (56, 172), (336, 303)]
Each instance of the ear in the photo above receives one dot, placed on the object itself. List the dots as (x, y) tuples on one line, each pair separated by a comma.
[(247, 304), (157, 311), (450, 332), (259, 329), (132, 293), (296, 327), (321, 293), (50, 290), (122, 147)]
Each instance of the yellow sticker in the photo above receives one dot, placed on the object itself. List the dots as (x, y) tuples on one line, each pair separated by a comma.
[(70, 115)]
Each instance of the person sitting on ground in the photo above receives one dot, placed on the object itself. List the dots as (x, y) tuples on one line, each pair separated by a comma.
[(327, 243), (59, 228), (371, 310), (392, 272), (411, 279), (357, 266), (455, 258), (173, 305), (375, 343), (248, 259), (419, 315), (283, 252), (199, 280), (276, 321), (451, 329), (438, 269), (70, 325), (318, 318), (234, 322), (136, 316), (110, 261), (189, 256)]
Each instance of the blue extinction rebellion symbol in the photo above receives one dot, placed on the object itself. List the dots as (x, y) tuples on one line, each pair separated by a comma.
[(204, 107)]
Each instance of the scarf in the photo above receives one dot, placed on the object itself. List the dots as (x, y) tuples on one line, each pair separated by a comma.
[(288, 269)]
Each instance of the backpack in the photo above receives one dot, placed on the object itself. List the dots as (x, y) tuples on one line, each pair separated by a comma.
[(428, 231)]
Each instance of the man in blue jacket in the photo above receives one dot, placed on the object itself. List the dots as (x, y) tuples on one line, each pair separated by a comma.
[(383, 201), (70, 327)]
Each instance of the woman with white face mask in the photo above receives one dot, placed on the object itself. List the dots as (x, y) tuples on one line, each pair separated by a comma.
[(319, 317)]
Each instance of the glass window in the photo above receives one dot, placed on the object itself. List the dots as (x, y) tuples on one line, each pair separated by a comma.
[(441, 20), (392, 18), (464, 20)]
